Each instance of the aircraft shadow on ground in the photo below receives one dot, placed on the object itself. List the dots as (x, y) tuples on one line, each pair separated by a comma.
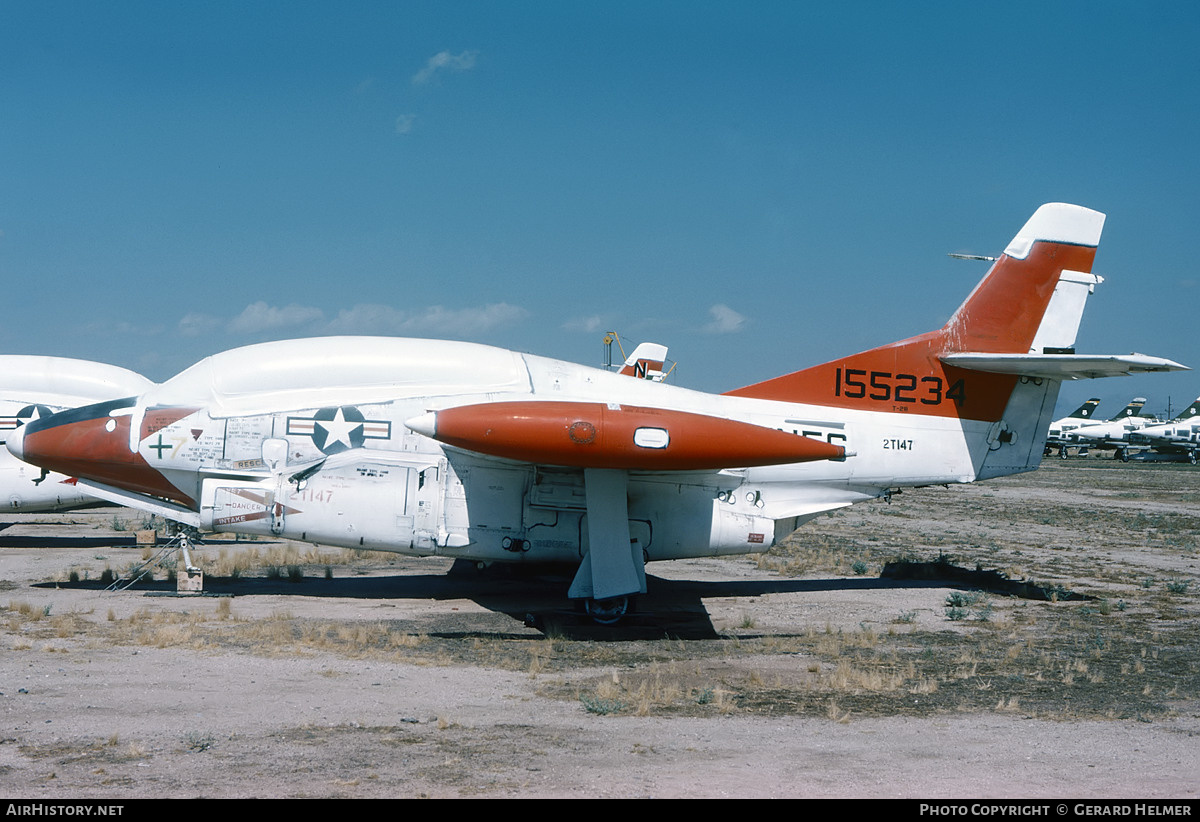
[(15, 541), (105, 541), (670, 609)]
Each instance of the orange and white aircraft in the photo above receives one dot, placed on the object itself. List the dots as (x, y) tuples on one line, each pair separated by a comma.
[(430, 447), (33, 387), (646, 362)]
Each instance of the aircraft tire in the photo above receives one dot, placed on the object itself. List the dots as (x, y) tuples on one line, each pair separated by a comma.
[(607, 611), (1192, 457), (1124, 455)]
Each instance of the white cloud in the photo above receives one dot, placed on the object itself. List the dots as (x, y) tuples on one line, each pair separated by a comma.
[(468, 320), (123, 328), (383, 319), (724, 320), (194, 324), (367, 319), (590, 325), (405, 123), (262, 317), (444, 60), (126, 328)]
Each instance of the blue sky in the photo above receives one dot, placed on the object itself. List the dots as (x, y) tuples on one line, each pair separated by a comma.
[(760, 186)]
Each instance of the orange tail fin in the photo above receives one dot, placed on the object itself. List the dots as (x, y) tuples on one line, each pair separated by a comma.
[(1015, 308)]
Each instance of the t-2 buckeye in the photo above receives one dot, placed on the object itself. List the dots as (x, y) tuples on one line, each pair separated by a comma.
[(432, 447)]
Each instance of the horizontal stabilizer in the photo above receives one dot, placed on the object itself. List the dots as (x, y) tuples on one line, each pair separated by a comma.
[(1062, 366)]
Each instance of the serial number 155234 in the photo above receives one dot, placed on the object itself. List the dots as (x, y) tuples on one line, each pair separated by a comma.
[(884, 386)]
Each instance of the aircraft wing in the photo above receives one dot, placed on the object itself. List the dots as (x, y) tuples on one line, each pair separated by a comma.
[(119, 496), (1063, 366)]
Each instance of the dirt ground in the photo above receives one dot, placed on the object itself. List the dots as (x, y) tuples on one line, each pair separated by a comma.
[(803, 673)]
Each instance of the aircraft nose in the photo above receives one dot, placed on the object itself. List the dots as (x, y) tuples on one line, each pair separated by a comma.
[(16, 443), (74, 442), (92, 443)]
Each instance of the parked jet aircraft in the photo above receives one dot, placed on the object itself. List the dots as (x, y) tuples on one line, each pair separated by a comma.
[(1116, 432), (1062, 431), (1133, 411), (1179, 436), (35, 387), (430, 447)]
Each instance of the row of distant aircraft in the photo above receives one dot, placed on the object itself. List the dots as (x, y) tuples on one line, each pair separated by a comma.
[(433, 447), (1125, 431)]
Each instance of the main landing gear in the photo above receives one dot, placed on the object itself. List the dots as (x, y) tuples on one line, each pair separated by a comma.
[(614, 566), (607, 611)]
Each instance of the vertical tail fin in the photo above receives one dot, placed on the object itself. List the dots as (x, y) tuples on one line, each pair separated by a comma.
[(1189, 413), (1025, 299), (1134, 409), (1031, 299), (1085, 411), (646, 362)]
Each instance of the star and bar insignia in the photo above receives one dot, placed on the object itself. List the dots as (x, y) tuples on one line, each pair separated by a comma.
[(27, 414), (334, 430)]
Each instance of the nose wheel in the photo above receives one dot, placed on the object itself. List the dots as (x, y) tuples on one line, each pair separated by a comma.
[(607, 611)]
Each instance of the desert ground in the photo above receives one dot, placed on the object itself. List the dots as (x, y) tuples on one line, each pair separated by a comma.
[(865, 657)]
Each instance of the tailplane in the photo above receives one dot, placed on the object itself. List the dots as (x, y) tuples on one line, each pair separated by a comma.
[(1019, 323), (998, 361), (1028, 304)]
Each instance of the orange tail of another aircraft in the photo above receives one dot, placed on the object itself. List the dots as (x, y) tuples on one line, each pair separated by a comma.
[(1020, 319)]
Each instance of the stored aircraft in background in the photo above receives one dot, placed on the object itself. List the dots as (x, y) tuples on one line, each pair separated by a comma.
[(34, 387), (1179, 436), (432, 447), (1062, 431), (1133, 411), (1115, 432)]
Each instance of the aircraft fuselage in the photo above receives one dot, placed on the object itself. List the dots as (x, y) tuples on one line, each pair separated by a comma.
[(356, 475)]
